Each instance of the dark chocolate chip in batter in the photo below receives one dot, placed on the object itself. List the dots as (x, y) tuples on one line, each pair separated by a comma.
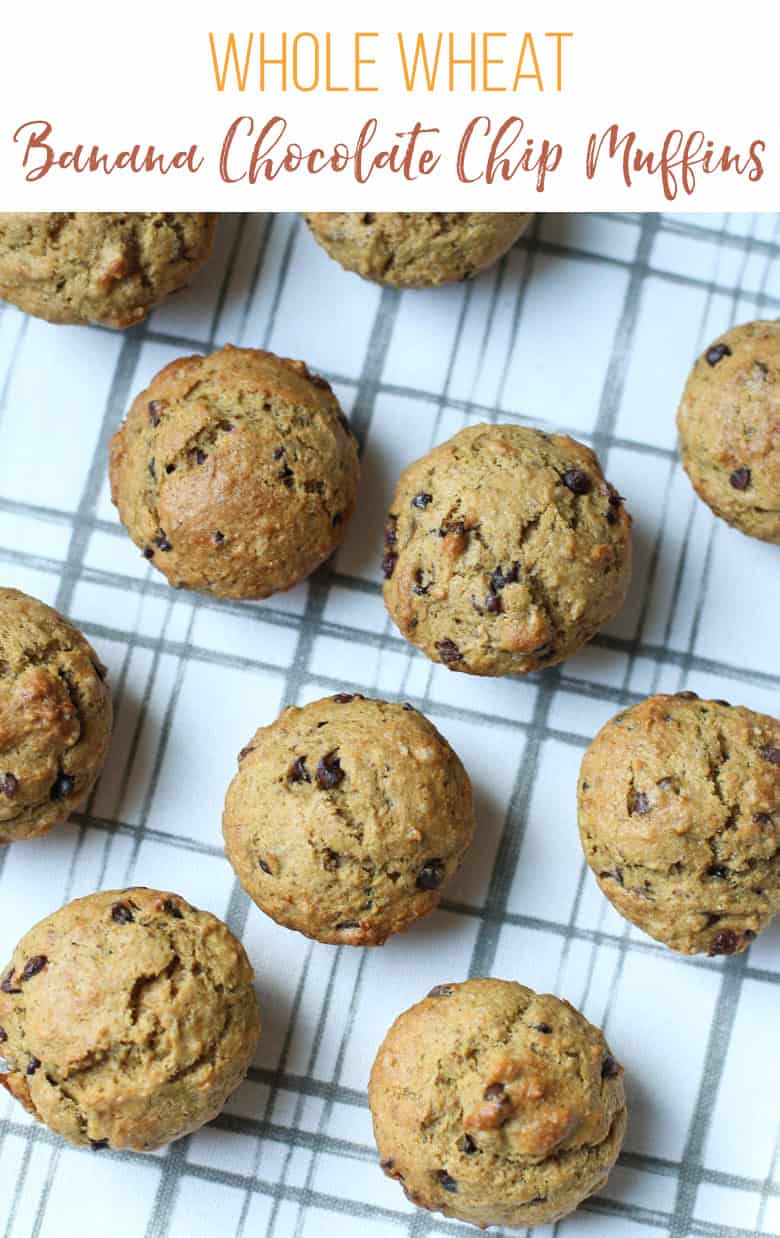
[(448, 651), (577, 481), (493, 604), (718, 870), (430, 875), (62, 787), (162, 541), (495, 1091), (121, 913), (771, 754), (639, 805), (200, 456), (148, 552), (97, 1145), (7, 984), (344, 698), (762, 818), (388, 564), (724, 942), (740, 479), (33, 1065), (299, 772), (33, 966), (544, 1028), (609, 1067), (441, 990), (717, 353), (329, 771), (3, 1035), (154, 412), (265, 867), (347, 924), (391, 530), (422, 500), (217, 537), (500, 579), (468, 1146), (9, 785), (447, 1181), (687, 695), (170, 468), (170, 908), (152, 470)]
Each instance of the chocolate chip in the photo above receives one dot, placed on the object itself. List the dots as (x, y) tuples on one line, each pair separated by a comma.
[(419, 588), (500, 578), (422, 500), (544, 1028), (717, 870), (200, 456), (33, 1065), (7, 984), (171, 909), (493, 604), (448, 651), (162, 541), (407, 705), (724, 942), (762, 818), (456, 529), (468, 1146), (388, 564), (665, 783), (278, 453), (717, 353), (329, 771), (368, 218), (719, 701), (121, 913), (343, 698), (265, 867), (447, 1181), (347, 924), (245, 751), (387, 1164), (97, 1145), (740, 479), (217, 537), (687, 695), (431, 875), (577, 481), (9, 785), (331, 860), (62, 787), (170, 468), (495, 1091), (639, 805), (152, 472), (154, 412), (391, 530), (286, 475), (148, 552), (299, 772), (441, 990), (712, 918), (771, 754), (609, 1067), (227, 426), (608, 875), (3, 1035)]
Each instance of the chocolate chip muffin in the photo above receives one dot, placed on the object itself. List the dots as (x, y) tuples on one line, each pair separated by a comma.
[(505, 550), (414, 249), (679, 813), (127, 1018), (729, 423), (96, 267), (235, 473), (55, 717), (496, 1105), (347, 818)]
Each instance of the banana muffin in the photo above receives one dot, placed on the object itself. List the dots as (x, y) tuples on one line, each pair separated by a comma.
[(55, 717), (496, 1105), (729, 424), (505, 550), (235, 473), (127, 1018), (679, 815), (347, 818), (414, 249), (97, 267)]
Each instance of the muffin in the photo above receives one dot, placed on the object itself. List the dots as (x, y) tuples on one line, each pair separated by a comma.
[(729, 424), (97, 267), (55, 717), (505, 550), (235, 473), (415, 249), (347, 818), (496, 1105), (679, 815), (127, 1019)]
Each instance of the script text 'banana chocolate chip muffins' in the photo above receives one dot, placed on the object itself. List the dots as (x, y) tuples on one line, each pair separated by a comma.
[(97, 267), (235, 473), (496, 1105), (679, 814), (505, 550), (127, 1019), (412, 249), (55, 717), (729, 423), (347, 818)]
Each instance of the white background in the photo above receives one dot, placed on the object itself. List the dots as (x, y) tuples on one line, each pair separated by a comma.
[(117, 77)]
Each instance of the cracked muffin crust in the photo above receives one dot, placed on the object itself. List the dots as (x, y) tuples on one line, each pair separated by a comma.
[(414, 249), (97, 267), (679, 815), (347, 818), (505, 550), (729, 424), (496, 1105), (55, 717), (128, 1017), (235, 473)]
